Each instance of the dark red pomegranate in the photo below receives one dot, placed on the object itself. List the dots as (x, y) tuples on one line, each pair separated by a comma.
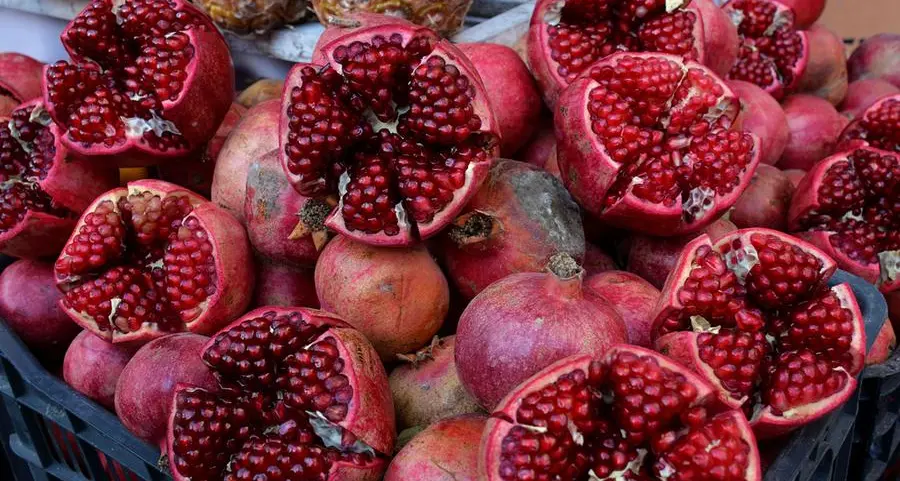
[(154, 258), (647, 143), (397, 126), (766, 201), (20, 80), (877, 125), (632, 297), (283, 285), (302, 396), (596, 260), (446, 450), (795, 176), (150, 80), (877, 57), (848, 206), (814, 127), (92, 367), (806, 12), (628, 414), (764, 117), (540, 151), (753, 314), (862, 93)]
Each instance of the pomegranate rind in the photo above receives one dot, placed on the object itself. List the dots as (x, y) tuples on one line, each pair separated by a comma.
[(20, 75), (681, 346)]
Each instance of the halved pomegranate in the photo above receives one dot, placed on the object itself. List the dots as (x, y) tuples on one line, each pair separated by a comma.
[(153, 258), (149, 80), (396, 123), (879, 126), (567, 36), (753, 314), (631, 414), (849, 206), (42, 190), (303, 397), (647, 142)]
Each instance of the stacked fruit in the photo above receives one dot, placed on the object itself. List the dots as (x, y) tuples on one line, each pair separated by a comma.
[(369, 183)]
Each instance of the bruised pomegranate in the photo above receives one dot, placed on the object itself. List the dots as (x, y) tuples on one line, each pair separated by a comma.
[(283, 285), (753, 314), (883, 346), (42, 189), (861, 94), (519, 218), (626, 414), (20, 80), (877, 57), (814, 127), (567, 36), (154, 258), (302, 396), (150, 80), (632, 297), (764, 117), (446, 450), (879, 126), (92, 367), (396, 124), (646, 143), (523, 322), (848, 206), (766, 201)]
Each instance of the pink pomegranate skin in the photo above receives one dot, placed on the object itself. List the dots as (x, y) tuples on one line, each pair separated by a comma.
[(766, 201), (145, 387), (795, 176), (511, 90), (883, 346), (763, 116), (540, 151), (877, 57), (29, 304), (814, 125), (282, 285), (445, 451), (806, 11), (92, 367), (826, 72), (632, 297), (20, 80), (862, 93)]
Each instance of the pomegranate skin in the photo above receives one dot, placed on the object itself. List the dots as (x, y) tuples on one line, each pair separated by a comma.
[(806, 11), (524, 322), (766, 201), (596, 260), (20, 80), (511, 90), (862, 93), (260, 91), (145, 387), (92, 367), (540, 151), (632, 297), (282, 285), (814, 126), (397, 297), (877, 57), (883, 346), (763, 116), (795, 176), (446, 450), (826, 72)]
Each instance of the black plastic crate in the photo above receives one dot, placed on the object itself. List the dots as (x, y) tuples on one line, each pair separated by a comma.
[(877, 433)]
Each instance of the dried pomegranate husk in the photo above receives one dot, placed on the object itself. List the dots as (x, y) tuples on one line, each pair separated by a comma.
[(879, 126), (443, 16)]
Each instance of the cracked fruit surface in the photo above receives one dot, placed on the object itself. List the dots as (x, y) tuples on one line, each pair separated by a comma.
[(878, 126)]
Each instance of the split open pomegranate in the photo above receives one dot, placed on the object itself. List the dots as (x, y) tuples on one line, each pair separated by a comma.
[(879, 126), (396, 124), (849, 206), (154, 258), (753, 314), (149, 80), (303, 396), (631, 414)]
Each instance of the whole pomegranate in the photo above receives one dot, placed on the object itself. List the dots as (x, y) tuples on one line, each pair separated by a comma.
[(766, 201), (150, 81), (145, 387), (764, 117), (795, 176), (260, 91), (519, 218), (826, 72), (397, 297), (42, 189), (877, 126), (396, 125), (847, 206), (540, 151), (883, 346), (20, 80), (567, 36), (426, 387), (511, 91), (446, 450), (753, 314), (647, 143), (596, 260), (877, 57), (302, 395), (632, 297), (806, 12), (282, 285), (255, 16), (628, 413), (153, 258), (92, 367), (814, 127), (861, 94), (523, 322)]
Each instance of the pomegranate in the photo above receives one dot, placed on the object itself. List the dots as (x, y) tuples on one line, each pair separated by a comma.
[(766, 201), (814, 126), (646, 143), (154, 258), (653, 258), (42, 189), (795, 176), (410, 133), (763, 116), (282, 285), (567, 36), (145, 387), (197, 172), (540, 151), (511, 90), (397, 297), (523, 322), (302, 396), (806, 12), (752, 313), (893, 301), (626, 414), (826, 72), (29, 306), (596, 260), (427, 389), (519, 218), (92, 367), (446, 450), (847, 205), (861, 94), (20, 80), (260, 91), (877, 57), (150, 80), (883, 346), (878, 125), (254, 136), (632, 297)]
